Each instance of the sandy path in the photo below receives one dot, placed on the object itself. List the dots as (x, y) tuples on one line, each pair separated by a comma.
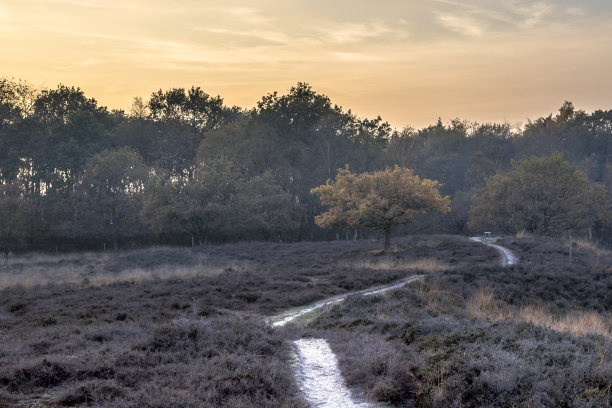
[(317, 368), (508, 257), (289, 316), (319, 377), (318, 374)]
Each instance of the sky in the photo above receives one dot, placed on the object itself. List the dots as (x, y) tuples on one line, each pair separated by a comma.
[(407, 61)]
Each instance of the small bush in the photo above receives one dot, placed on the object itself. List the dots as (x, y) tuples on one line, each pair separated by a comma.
[(90, 393)]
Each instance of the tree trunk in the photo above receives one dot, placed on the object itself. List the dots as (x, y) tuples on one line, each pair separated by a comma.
[(387, 237), (115, 241)]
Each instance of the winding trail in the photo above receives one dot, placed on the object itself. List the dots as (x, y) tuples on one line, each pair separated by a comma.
[(318, 374), (319, 377), (293, 314), (508, 257)]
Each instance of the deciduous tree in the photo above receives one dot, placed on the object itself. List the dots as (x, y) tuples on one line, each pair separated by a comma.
[(13, 224), (193, 108), (110, 193), (379, 199), (544, 195), (196, 206)]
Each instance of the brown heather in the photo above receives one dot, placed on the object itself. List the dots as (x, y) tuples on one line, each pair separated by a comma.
[(470, 334)]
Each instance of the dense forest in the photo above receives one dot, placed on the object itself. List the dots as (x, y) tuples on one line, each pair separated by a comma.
[(184, 168)]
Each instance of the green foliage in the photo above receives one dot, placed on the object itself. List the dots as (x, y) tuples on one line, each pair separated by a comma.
[(195, 206), (250, 145), (16, 101), (108, 198), (545, 195), (378, 200), (12, 213), (218, 200), (56, 105), (192, 108), (298, 111), (264, 208), (269, 158)]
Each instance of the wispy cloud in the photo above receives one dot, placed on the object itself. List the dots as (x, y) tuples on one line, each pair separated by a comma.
[(6, 22), (268, 36), (4, 15), (463, 25), (352, 32), (476, 17), (534, 13), (356, 56), (576, 11), (176, 55), (89, 62), (109, 4), (247, 15)]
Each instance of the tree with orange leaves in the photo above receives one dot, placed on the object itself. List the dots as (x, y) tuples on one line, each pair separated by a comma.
[(378, 200)]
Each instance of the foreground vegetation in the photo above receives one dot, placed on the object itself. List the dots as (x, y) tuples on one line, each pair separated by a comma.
[(195, 337), (535, 334), (188, 329)]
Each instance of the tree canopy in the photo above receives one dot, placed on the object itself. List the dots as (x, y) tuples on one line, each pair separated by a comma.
[(12, 213), (109, 196), (219, 173), (378, 199), (544, 195)]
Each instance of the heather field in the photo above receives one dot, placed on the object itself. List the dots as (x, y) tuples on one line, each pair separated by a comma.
[(167, 326)]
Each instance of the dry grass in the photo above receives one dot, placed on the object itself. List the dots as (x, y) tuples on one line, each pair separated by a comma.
[(484, 305), (80, 277), (524, 235), (590, 247), (95, 268), (388, 263), (578, 323)]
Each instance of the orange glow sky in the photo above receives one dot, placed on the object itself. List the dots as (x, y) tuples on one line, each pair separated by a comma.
[(408, 61)]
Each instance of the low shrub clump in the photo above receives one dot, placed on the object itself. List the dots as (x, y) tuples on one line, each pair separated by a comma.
[(219, 362)]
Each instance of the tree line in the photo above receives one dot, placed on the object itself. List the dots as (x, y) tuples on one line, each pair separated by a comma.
[(184, 168)]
